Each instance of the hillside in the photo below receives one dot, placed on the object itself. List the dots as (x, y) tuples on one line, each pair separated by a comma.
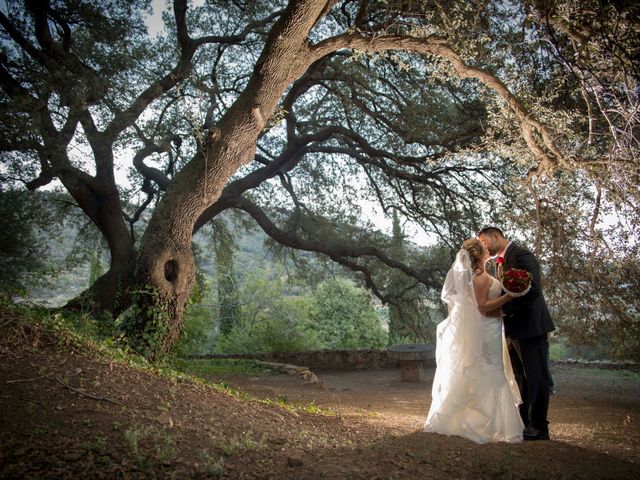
[(70, 257), (70, 252), (75, 409)]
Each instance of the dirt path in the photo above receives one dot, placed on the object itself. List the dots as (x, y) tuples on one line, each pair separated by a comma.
[(70, 410), (597, 409), (377, 395)]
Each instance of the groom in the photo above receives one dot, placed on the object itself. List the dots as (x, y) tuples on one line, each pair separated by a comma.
[(526, 323)]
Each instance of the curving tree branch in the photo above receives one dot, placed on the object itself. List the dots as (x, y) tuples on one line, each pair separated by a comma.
[(546, 152), (250, 28), (335, 250), (150, 173)]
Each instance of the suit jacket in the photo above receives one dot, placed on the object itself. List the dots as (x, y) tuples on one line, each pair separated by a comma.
[(526, 316)]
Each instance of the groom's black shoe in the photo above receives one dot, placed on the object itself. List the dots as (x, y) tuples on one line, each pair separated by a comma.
[(533, 433)]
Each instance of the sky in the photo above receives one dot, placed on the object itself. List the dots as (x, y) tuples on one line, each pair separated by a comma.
[(154, 21)]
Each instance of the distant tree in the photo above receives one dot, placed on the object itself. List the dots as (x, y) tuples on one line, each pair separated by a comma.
[(344, 316), (228, 291), (199, 313), (399, 286), (197, 333), (26, 225), (96, 269), (270, 320)]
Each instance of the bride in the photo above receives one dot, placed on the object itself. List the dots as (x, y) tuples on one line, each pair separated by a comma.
[(474, 392)]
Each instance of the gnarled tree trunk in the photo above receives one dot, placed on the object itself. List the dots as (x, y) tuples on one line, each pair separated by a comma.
[(110, 293), (165, 271), (100, 201)]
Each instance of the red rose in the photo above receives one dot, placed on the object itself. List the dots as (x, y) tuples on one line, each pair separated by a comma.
[(500, 260)]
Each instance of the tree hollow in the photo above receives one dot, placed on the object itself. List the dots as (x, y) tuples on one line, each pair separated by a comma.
[(171, 271)]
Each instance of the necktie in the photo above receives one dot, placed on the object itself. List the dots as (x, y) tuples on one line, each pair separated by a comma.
[(499, 267)]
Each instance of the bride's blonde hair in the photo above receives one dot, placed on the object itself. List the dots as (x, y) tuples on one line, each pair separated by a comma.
[(476, 253)]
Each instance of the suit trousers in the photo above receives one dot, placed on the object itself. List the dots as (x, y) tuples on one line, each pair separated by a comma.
[(529, 359)]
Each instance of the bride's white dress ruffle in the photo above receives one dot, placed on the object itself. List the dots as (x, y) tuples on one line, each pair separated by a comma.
[(474, 392)]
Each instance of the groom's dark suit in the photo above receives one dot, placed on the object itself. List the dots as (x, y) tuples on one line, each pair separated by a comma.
[(527, 322)]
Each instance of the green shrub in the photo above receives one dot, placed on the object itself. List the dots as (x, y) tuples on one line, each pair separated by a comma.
[(285, 332), (344, 317), (195, 337)]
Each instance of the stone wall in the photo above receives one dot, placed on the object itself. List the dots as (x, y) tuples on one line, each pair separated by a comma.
[(321, 359)]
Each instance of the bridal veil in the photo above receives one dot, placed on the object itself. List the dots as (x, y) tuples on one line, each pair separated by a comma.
[(458, 345)]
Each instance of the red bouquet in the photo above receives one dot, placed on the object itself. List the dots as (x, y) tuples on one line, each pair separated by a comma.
[(516, 282)]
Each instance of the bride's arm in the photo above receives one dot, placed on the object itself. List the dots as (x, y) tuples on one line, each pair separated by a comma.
[(481, 285)]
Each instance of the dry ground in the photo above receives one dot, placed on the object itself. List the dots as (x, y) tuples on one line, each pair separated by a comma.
[(68, 412)]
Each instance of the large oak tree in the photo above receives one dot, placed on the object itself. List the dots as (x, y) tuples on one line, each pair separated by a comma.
[(292, 111)]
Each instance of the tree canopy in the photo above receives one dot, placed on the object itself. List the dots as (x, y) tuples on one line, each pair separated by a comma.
[(452, 114)]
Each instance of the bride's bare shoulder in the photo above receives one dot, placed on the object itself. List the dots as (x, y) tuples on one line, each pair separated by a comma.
[(481, 280)]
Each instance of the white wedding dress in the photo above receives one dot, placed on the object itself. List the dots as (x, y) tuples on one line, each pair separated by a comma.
[(474, 392)]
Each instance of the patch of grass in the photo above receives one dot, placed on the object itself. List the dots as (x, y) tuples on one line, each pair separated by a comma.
[(557, 351), (31, 408), (40, 430), (243, 442), (612, 374), (218, 366), (133, 436), (97, 446), (150, 446), (165, 447), (213, 466), (224, 387), (311, 407), (317, 439), (635, 376), (281, 401)]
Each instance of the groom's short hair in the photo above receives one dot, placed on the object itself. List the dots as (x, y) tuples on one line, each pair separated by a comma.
[(491, 231)]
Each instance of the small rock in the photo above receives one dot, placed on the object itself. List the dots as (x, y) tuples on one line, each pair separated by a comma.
[(294, 461), (72, 457)]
